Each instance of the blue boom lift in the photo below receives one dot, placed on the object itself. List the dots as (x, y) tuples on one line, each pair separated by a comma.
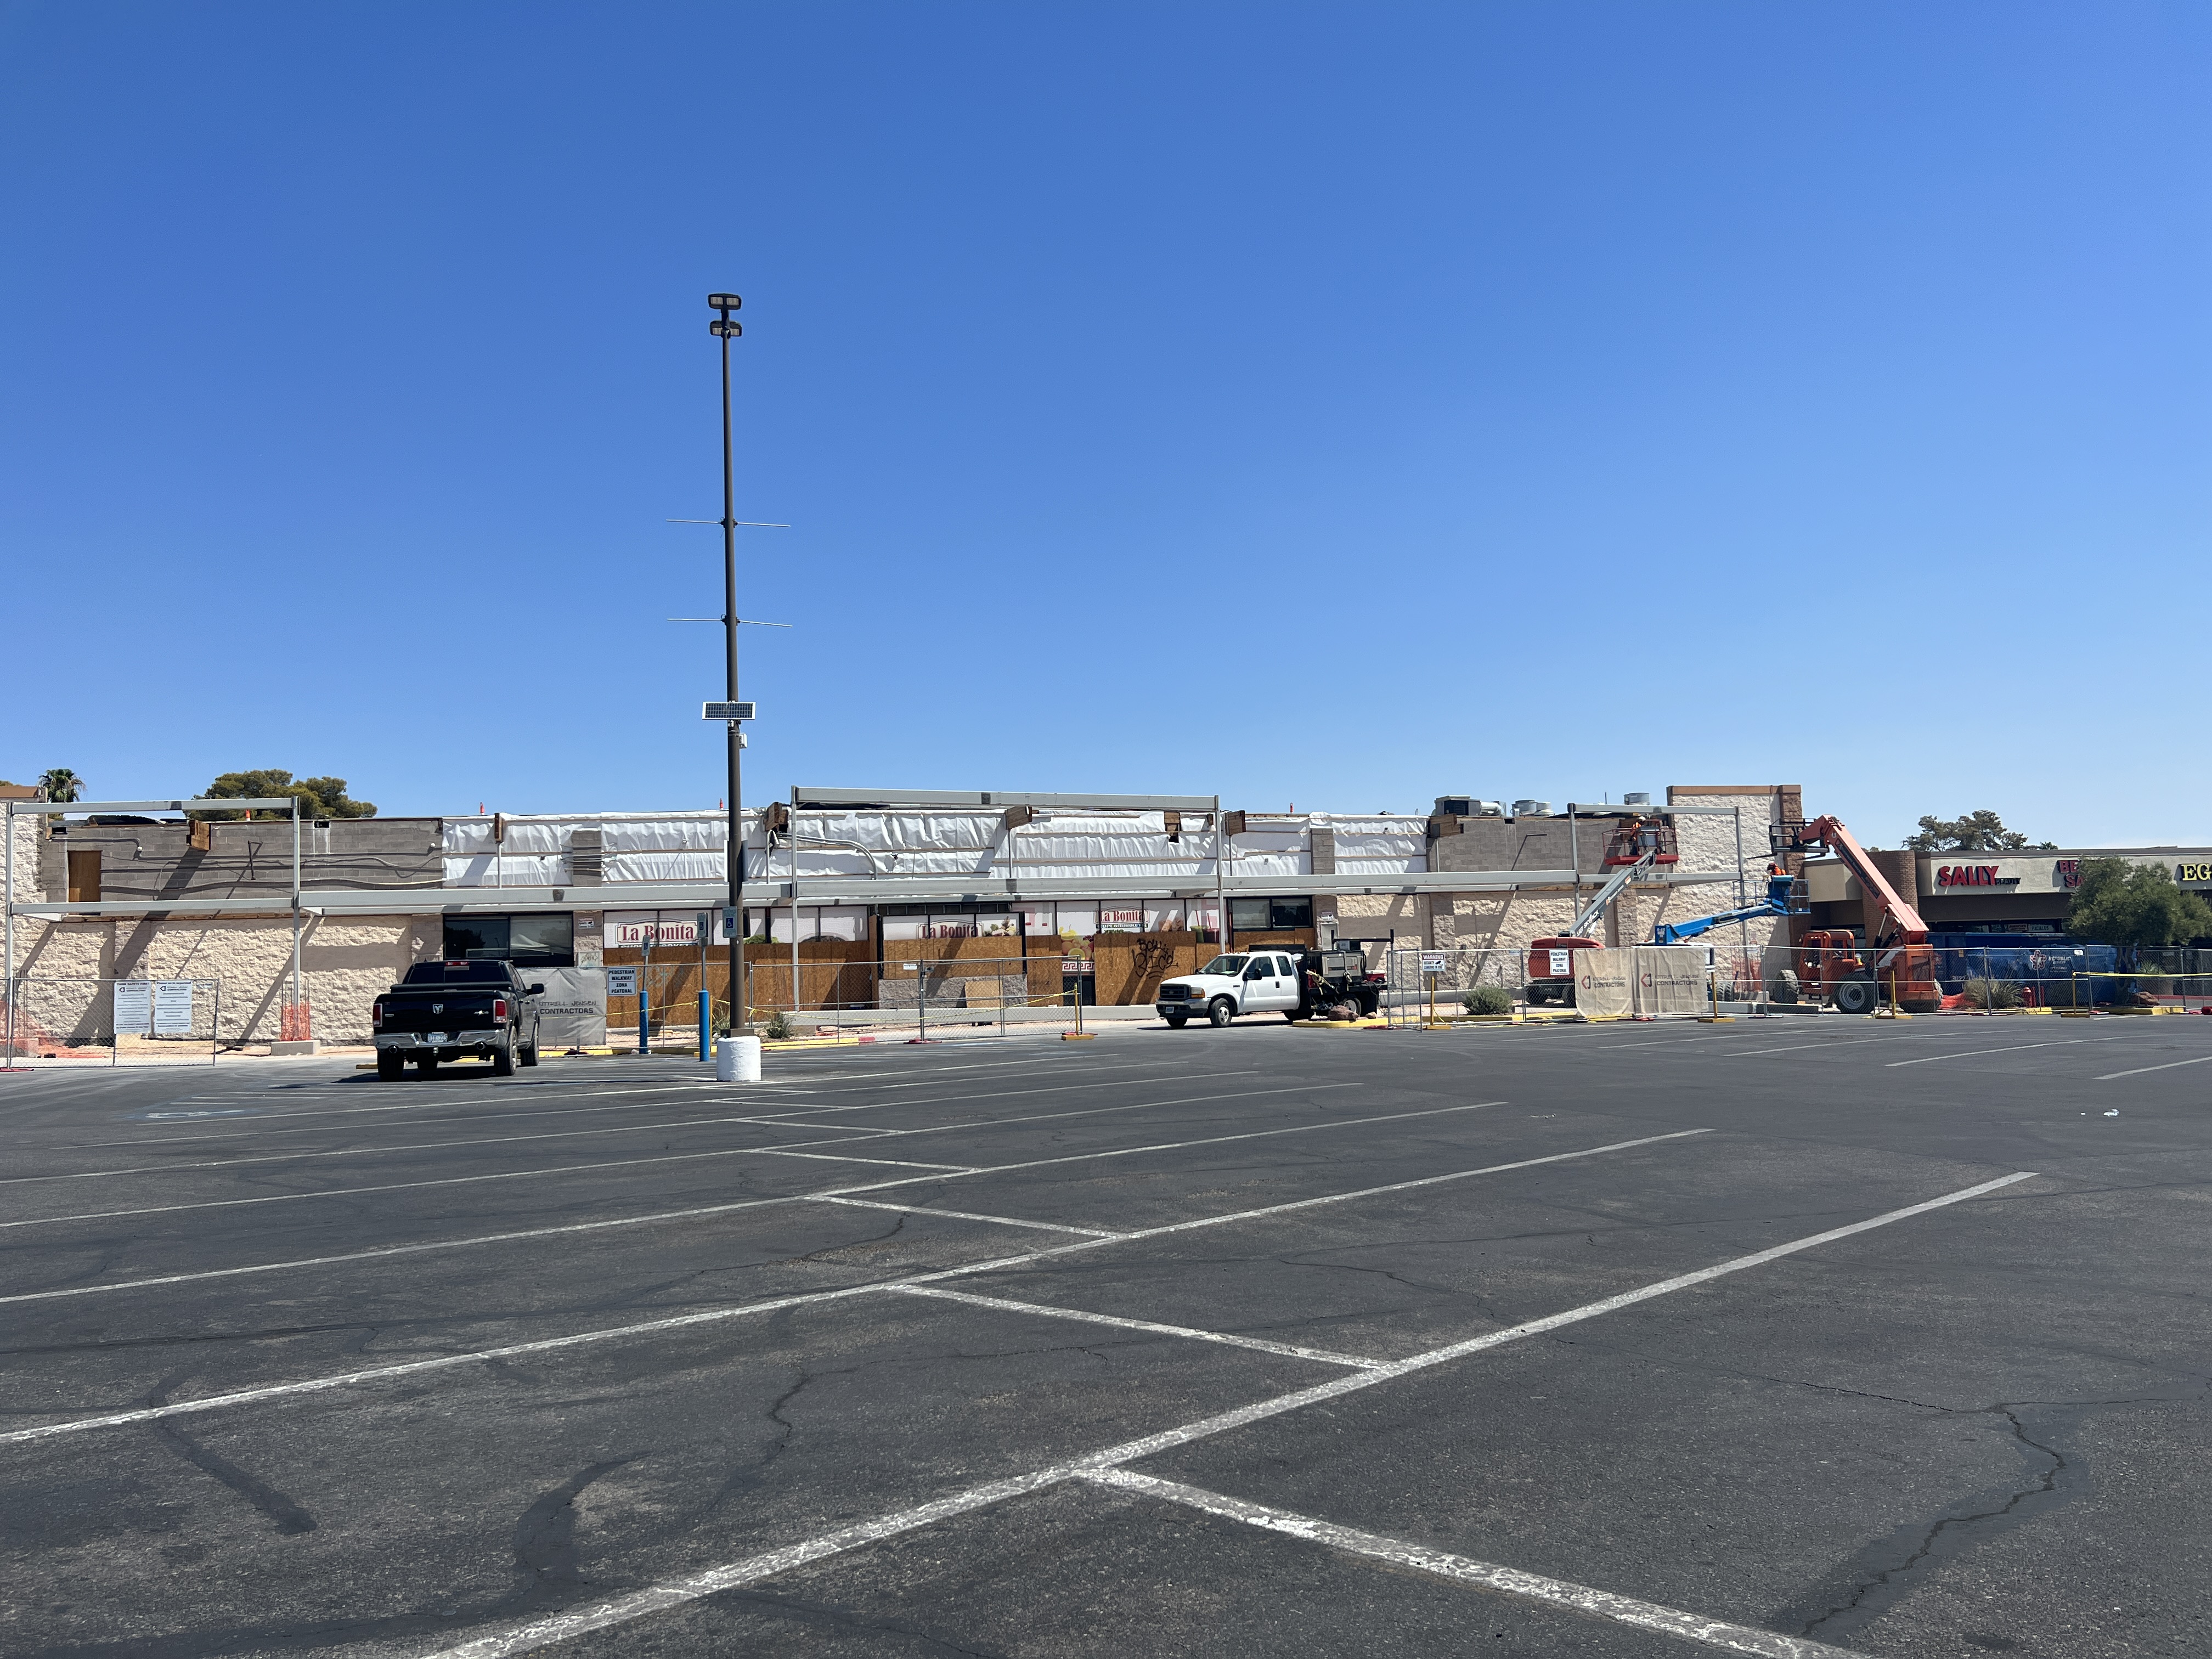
[(1776, 903)]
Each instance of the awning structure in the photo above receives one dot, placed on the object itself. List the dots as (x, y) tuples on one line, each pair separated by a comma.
[(875, 846), (705, 895)]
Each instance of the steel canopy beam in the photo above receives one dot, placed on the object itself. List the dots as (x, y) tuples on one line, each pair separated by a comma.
[(820, 890), (997, 798), (276, 804)]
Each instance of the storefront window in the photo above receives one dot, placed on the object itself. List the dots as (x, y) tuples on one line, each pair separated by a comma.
[(1270, 915), (528, 941)]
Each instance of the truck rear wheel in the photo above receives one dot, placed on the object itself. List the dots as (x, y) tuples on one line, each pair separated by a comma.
[(502, 1058), (529, 1056), (1220, 1011), (391, 1065)]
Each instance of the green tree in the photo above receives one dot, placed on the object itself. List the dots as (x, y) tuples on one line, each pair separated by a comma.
[(1978, 832), (60, 783), (318, 798), (2135, 904)]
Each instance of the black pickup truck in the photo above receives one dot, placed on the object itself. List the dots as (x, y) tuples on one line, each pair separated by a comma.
[(444, 1010)]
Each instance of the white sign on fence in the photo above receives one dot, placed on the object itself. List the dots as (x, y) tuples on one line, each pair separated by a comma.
[(134, 1007), (1435, 962), (1563, 964), (173, 1007), (622, 981)]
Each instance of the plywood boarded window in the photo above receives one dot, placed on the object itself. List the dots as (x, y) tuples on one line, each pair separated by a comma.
[(84, 875)]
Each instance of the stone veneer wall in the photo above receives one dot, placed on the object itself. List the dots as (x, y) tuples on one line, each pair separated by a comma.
[(345, 961), (1508, 922)]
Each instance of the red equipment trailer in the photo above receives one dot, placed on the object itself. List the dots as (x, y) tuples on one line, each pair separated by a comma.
[(1551, 967)]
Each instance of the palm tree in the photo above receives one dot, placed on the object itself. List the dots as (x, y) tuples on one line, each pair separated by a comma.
[(60, 783)]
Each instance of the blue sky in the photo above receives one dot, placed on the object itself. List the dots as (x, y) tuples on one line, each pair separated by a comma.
[(1328, 405)]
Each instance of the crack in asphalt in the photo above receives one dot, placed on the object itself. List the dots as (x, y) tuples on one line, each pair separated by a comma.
[(1876, 1579), (1874, 1587)]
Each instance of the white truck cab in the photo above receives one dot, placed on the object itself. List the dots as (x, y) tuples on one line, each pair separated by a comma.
[(1239, 982)]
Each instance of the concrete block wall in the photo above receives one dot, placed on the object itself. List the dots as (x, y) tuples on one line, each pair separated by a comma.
[(344, 963), (1409, 914)]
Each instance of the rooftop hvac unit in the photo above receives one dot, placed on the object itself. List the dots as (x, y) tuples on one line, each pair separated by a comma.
[(1636, 797), (1467, 806), (1532, 809)]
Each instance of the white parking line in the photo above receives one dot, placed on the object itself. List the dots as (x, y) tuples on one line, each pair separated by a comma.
[(1046, 1309), (2139, 1070), (1662, 1042), (752, 1570), (830, 1195), (775, 1118), (1216, 1140), (1969, 1053), (716, 1315), (574, 1169), (555, 1090), (409, 1147), (1484, 1575), (996, 1094), (955, 1215), (901, 1163), (879, 1086), (780, 1119), (1829, 1042)]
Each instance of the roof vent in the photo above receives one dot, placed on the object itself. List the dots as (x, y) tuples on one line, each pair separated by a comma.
[(1636, 797), (1532, 809)]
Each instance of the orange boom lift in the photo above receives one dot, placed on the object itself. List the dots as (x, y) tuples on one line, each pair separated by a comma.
[(1902, 963)]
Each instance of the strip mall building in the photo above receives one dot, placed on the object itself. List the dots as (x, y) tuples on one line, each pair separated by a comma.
[(1044, 895), (1971, 893), (1006, 897)]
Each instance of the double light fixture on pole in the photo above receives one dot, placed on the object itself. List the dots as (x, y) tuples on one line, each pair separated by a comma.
[(731, 709), (725, 329)]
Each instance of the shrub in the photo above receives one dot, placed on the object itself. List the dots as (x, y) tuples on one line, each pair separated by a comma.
[(1489, 1000), (778, 1025), (1980, 993)]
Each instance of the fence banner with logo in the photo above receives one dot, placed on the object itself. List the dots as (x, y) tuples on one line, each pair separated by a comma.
[(1670, 979), (1604, 984)]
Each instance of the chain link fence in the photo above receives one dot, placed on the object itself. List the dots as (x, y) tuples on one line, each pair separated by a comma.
[(111, 1022)]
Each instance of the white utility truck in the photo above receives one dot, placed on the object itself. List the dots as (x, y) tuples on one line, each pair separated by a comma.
[(1292, 979)]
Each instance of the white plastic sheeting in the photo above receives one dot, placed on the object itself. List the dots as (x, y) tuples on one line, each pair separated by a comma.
[(669, 847), (1378, 845), (507, 870)]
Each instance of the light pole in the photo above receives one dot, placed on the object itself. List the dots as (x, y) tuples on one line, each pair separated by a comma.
[(725, 330)]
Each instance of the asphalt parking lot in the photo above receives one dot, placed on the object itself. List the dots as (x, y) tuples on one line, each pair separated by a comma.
[(1778, 1337)]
